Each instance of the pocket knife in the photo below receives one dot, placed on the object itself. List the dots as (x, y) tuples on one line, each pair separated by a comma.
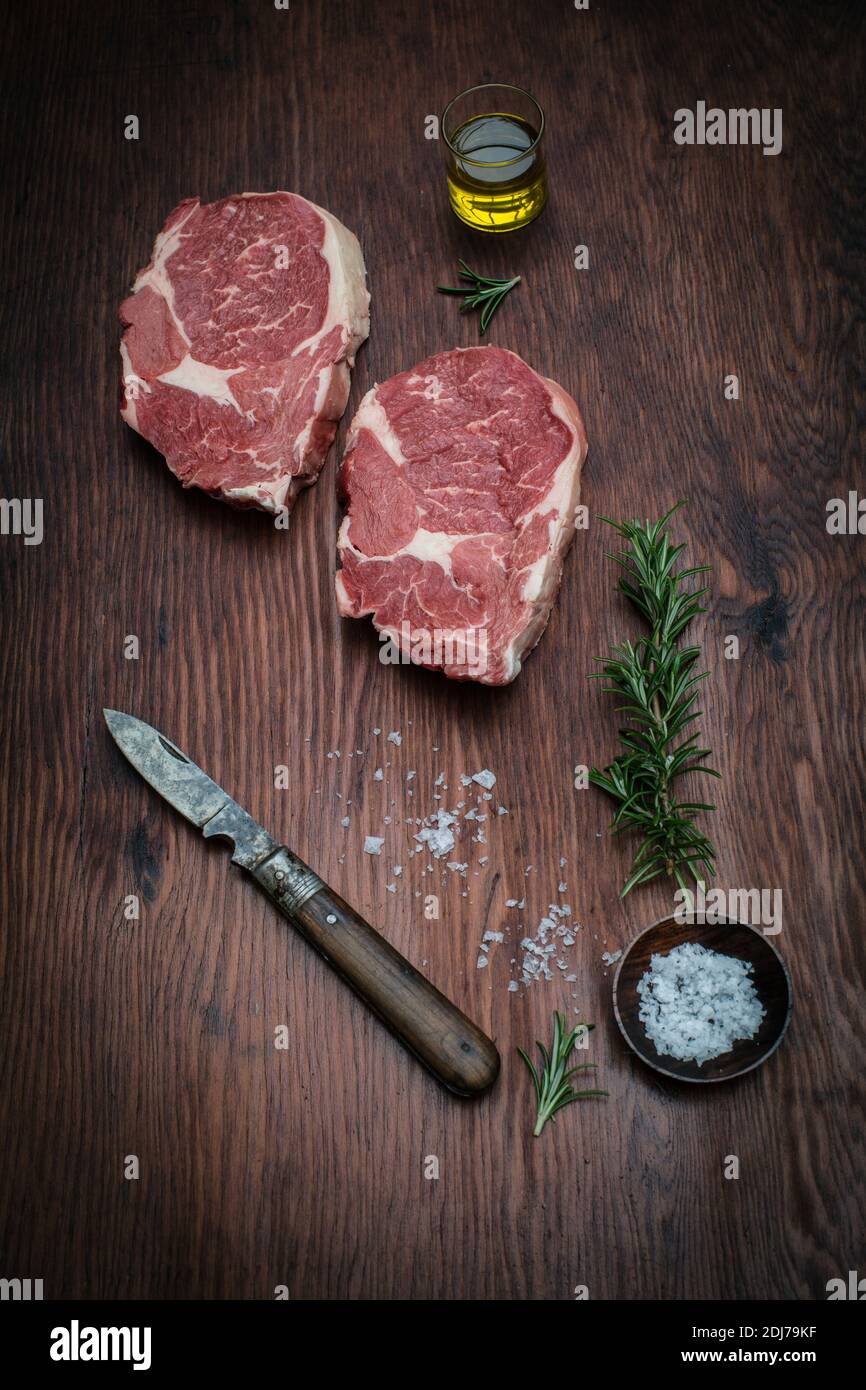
[(462, 1057)]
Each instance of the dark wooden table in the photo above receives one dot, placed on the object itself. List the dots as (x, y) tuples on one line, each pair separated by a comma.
[(155, 1037)]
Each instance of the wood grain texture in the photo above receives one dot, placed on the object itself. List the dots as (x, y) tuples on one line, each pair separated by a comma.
[(306, 1167)]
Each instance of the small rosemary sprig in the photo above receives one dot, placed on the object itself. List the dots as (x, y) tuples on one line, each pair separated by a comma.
[(656, 680), (480, 292), (553, 1087)]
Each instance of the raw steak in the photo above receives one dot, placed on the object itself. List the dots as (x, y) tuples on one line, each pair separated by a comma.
[(239, 336), (461, 478)]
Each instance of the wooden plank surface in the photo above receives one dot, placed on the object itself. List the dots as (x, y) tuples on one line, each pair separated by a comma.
[(306, 1167)]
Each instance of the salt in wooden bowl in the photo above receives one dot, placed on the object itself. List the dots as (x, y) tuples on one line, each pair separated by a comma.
[(769, 975)]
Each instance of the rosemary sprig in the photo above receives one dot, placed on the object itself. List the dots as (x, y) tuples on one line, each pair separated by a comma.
[(657, 682), (553, 1087), (480, 292)]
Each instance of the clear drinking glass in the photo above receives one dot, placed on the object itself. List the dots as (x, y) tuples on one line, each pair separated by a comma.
[(497, 179)]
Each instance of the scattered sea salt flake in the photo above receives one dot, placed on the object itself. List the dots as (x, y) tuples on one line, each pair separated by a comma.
[(395, 738), (345, 822), (373, 844), (378, 775), (439, 839), (485, 778), (481, 962)]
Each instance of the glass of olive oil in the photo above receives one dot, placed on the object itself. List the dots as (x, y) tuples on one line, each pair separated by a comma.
[(497, 179)]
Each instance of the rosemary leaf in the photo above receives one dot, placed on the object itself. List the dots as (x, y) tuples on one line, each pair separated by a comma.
[(480, 292), (552, 1085), (658, 687)]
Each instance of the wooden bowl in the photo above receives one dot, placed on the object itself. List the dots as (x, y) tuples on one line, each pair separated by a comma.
[(769, 976)]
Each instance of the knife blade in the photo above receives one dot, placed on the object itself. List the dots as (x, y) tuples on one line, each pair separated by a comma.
[(458, 1053)]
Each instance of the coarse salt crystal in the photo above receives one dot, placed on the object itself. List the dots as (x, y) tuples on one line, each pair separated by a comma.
[(485, 778)]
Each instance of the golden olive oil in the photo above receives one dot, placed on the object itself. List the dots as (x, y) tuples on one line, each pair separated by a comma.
[(497, 180)]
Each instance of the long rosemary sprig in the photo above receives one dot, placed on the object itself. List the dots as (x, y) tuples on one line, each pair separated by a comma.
[(480, 292), (657, 681), (552, 1086)]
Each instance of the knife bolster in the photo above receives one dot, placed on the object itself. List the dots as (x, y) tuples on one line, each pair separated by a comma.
[(287, 880)]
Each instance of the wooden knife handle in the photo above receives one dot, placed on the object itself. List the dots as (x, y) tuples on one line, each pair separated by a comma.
[(450, 1046)]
